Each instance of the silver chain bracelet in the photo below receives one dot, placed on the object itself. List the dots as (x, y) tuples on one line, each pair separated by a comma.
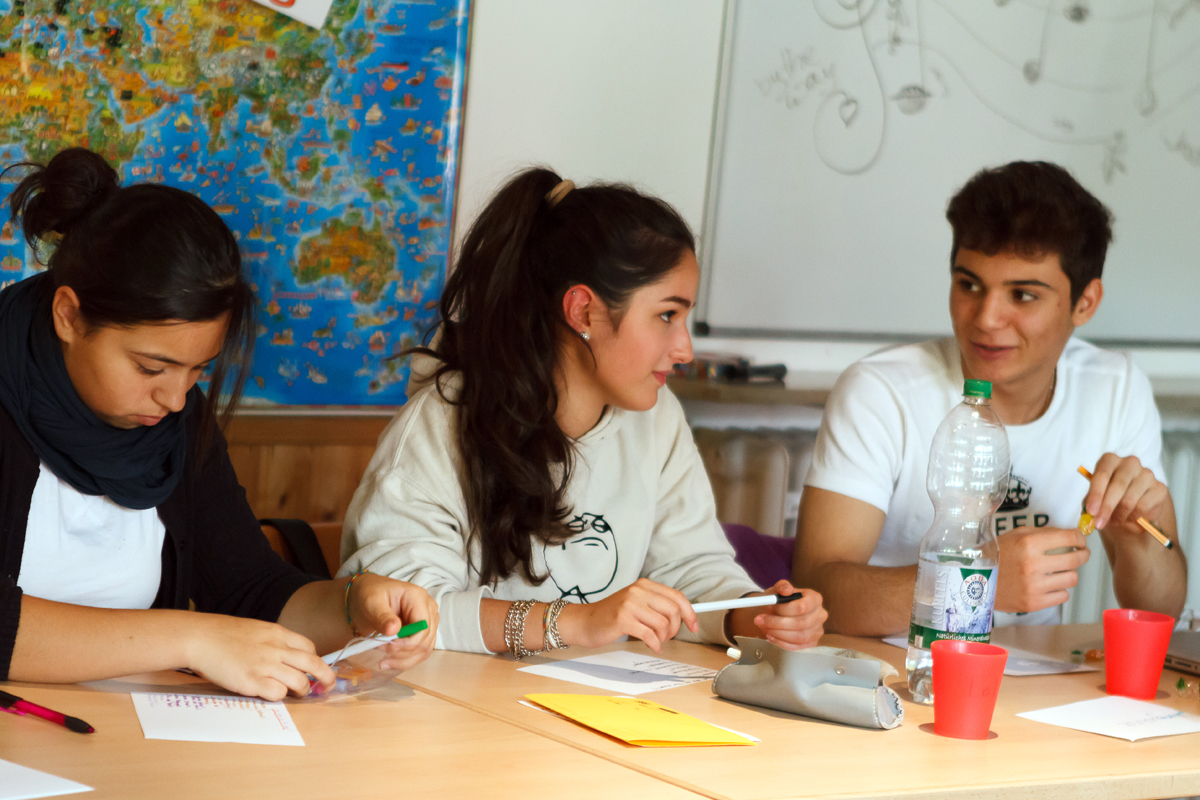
[(552, 640), (514, 629)]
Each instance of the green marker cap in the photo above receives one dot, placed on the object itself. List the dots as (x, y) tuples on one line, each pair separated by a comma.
[(411, 628), (974, 388)]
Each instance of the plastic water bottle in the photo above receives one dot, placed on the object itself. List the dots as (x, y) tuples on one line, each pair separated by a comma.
[(955, 593)]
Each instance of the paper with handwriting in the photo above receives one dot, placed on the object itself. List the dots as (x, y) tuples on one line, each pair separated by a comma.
[(214, 718)]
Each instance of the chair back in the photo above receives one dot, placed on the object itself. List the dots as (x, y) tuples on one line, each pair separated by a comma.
[(314, 548)]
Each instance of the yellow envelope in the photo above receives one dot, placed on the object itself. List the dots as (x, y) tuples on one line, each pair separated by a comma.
[(639, 722)]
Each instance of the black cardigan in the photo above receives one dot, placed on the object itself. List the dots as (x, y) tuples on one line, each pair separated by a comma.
[(214, 553)]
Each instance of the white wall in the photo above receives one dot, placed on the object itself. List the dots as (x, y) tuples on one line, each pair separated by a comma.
[(624, 90), (617, 90)]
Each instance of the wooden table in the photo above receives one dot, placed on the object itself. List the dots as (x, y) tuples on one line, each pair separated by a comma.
[(463, 734), (404, 745), (807, 758)]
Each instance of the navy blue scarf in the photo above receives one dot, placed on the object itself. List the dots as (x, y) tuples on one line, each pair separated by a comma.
[(137, 468)]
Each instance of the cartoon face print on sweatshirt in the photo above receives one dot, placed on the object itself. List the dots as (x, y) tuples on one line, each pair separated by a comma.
[(585, 564)]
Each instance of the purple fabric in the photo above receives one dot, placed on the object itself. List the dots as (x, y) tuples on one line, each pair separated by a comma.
[(767, 559)]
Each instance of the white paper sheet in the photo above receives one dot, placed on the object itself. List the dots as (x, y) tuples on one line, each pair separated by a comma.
[(214, 718), (1022, 662), (624, 672), (310, 12), (1119, 717), (23, 783)]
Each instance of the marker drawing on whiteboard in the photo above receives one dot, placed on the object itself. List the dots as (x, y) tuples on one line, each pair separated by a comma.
[(1023, 61)]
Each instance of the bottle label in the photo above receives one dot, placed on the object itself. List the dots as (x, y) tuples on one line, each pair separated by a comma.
[(963, 600)]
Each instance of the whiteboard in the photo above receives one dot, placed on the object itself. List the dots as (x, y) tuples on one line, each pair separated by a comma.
[(843, 127)]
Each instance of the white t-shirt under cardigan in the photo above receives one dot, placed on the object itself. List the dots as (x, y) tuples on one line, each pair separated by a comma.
[(879, 422), (88, 550), (642, 507)]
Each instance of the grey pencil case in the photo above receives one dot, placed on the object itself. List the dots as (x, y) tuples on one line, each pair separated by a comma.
[(824, 682)]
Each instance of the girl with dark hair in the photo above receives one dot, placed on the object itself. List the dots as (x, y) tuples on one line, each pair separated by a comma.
[(118, 503), (544, 485)]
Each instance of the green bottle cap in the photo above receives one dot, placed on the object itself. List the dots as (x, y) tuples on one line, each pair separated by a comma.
[(973, 388)]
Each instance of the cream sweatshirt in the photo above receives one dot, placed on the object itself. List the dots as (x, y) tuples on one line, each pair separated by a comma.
[(642, 508)]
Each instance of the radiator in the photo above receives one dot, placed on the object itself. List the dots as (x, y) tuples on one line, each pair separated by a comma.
[(757, 476)]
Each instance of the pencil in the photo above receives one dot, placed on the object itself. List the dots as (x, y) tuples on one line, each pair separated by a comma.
[(1153, 530), (1148, 526)]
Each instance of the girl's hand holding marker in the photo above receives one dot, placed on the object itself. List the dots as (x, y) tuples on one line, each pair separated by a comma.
[(792, 620), (753, 601), (372, 642)]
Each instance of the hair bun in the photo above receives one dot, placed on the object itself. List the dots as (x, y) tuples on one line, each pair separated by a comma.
[(54, 197)]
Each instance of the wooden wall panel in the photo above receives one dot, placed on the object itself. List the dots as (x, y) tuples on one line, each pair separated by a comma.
[(309, 468), (334, 475), (302, 467), (284, 480), (245, 463)]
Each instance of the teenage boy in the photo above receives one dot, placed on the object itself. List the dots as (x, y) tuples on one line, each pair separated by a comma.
[(1027, 255)]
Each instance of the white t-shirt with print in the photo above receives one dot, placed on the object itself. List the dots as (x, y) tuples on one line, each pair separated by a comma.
[(880, 419)]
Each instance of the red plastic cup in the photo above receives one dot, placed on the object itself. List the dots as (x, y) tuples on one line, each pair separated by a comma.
[(966, 681), (1135, 645)]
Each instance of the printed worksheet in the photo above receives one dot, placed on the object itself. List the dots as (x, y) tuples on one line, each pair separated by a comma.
[(623, 672), (214, 718)]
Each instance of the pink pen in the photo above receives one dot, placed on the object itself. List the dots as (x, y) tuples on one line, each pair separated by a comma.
[(15, 705)]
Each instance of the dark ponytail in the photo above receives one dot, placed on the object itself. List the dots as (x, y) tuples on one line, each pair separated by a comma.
[(140, 254), (501, 327)]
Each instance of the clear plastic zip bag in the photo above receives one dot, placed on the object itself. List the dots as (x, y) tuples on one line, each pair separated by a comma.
[(357, 673)]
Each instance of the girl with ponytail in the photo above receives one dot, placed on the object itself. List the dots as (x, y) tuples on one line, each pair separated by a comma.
[(543, 484), (118, 504)]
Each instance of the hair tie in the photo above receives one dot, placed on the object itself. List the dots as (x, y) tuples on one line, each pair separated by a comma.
[(555, 195)]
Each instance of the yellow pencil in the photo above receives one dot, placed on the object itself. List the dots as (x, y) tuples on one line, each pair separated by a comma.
[(1148, 526)]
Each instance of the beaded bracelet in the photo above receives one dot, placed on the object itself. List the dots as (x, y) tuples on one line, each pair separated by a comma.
[(346, 603)]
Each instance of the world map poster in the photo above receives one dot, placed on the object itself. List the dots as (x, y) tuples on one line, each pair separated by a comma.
[(330, 153)]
